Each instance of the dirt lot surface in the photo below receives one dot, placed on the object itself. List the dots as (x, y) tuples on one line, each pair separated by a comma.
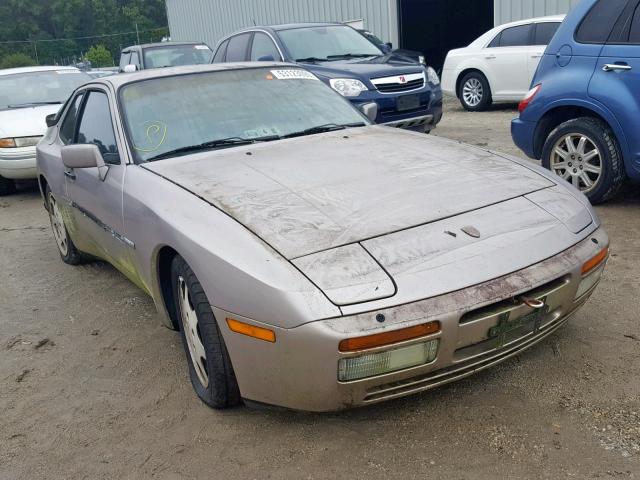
[(91, 386)]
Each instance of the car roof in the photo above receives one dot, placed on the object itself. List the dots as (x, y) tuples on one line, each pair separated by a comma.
[(161, 44), (11, 71), (122, 79), (550, 18), (285, 26)]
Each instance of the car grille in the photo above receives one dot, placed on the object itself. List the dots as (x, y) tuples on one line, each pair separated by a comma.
[(400, 83)]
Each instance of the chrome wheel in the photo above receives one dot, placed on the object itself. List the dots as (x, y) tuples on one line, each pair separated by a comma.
[(192, 332), (472, 92), (57, 225), (577, 159)]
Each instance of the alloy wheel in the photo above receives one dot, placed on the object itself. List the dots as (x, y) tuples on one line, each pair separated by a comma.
[(472, 92), (577, 159), (192, 332), (57, 225)]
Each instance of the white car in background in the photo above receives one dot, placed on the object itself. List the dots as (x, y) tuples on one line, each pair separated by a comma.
[(498, 66), (27, 96)]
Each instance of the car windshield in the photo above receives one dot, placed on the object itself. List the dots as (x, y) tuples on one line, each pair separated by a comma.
[(327, 43), (176, 55), (39, 88), (171, 116)]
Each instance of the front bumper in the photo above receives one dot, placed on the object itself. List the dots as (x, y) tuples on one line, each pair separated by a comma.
[(18, 163), (299, 370)]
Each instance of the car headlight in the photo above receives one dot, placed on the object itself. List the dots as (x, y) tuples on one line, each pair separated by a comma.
[(18, 142), (433, 76), (348, 87)]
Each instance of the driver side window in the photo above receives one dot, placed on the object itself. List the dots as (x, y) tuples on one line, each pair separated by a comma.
[(68, 126), (95, 126)]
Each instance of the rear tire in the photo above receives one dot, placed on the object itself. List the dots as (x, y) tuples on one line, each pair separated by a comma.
[(475, 92), (584, 151), (210, 368), (7, 186), (68, 251)]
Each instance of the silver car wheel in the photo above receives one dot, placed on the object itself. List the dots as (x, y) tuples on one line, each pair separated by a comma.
[(192, 332), (57, 225), (473, 92), (577, 159)]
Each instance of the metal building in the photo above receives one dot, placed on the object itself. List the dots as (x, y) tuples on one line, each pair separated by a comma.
[(431, 26)]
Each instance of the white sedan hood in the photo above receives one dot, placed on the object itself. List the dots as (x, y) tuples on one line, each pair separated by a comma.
[(25, 122)]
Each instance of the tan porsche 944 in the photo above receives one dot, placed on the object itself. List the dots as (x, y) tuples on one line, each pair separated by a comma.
[(310, 259)]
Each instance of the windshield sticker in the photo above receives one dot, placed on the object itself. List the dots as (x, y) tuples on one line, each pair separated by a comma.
[(201, 47), (154, 135), (261, 132), (293, 74)]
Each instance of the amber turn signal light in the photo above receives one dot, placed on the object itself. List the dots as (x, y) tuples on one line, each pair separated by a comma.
[(251, 330), (388, 338), (7, 143), (595, 261)]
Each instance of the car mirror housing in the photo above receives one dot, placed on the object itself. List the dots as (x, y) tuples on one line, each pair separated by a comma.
[(130, 68), (51, 119), (267, 58), (84, 156), (370, 110)]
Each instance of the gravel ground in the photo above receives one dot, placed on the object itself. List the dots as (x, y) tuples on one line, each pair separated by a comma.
[(91, 386)]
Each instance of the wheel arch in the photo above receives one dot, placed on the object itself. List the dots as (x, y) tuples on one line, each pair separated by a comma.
[(163, 259), (558, 114), (43, 184), (464, 73)]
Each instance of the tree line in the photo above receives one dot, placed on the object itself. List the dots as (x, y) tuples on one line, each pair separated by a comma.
[(62, 32)]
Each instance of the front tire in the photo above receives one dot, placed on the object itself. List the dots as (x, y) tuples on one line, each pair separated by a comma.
[(475, 92), (210, 368), (585, 152), (68, 251), (7, 186)]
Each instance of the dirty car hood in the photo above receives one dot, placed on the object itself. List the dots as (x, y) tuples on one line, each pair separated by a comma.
[(315, 193)]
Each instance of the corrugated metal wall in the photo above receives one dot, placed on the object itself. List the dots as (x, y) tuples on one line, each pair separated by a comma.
[(210, 20), (511, 10)]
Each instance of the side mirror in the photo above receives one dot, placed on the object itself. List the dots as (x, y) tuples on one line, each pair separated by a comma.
[(267, 58), (130, 68), (51, 119), (390, 45), (84, 156), (370, 110)]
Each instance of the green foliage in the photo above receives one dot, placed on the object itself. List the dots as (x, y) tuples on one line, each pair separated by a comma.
[(99, 56), (60, 20), (14, 60)]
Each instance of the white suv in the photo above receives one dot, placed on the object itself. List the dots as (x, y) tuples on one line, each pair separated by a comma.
[(498, 66)]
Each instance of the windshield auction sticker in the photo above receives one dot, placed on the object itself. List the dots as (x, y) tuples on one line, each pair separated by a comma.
[(293, 74)]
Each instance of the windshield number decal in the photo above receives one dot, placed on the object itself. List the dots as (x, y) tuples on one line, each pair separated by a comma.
[(293, 74)]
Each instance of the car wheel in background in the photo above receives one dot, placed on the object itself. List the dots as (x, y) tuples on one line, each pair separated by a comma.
[(68, 251), (585, 152), (210, 367), (475, 93), (7, 186)]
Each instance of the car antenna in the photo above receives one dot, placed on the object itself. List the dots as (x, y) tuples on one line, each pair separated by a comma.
[(254, 22)]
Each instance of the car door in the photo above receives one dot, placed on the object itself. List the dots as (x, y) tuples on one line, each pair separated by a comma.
[(542, 35), (506, 60), (95, 199), (616, 79)]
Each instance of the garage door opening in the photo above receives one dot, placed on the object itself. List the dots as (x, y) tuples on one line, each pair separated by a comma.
[(436, 26)]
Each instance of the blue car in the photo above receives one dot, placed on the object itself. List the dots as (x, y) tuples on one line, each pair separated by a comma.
[(405, 93), (581, 116)]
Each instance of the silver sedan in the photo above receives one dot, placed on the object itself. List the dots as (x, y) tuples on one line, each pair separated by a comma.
[(312, 260)]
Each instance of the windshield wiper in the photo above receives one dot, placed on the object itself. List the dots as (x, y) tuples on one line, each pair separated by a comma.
[(350, 55), (329, 127), (214, 144), (29, 104), (311, 59)]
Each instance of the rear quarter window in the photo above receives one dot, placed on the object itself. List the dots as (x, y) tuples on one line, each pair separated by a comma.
[(545, 32), (597, 25)]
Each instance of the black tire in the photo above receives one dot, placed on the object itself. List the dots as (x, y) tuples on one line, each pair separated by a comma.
[(7, 186), (612, 176), (222, 389), (71, 255), (485, 97)]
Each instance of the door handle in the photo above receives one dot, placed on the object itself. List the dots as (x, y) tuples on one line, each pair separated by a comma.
[(616, 67), (490, 57), (69, 174), (537, 55)]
